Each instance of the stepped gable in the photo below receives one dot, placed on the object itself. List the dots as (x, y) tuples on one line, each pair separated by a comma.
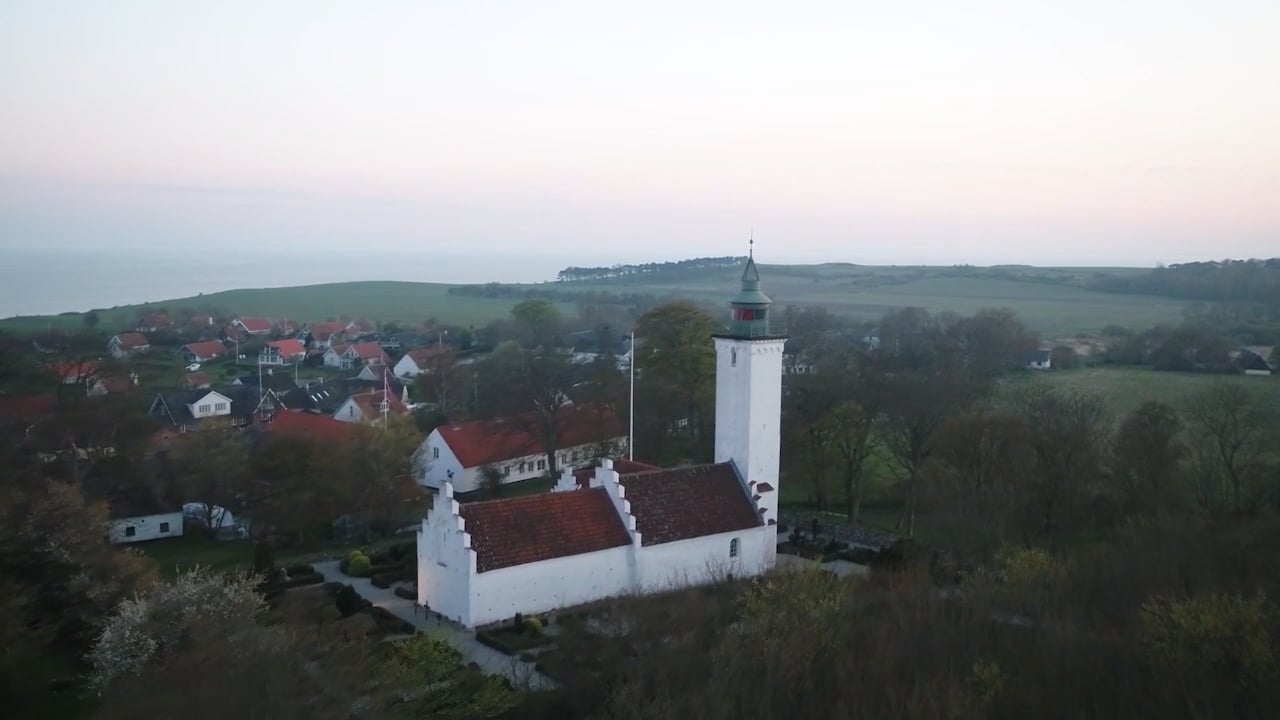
[(516, 531), (688, 502)]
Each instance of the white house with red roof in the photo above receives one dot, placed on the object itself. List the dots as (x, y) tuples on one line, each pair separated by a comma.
[(356, 355), (367, 407), (126, 344), (421, 360), (325, 335), (282, 352), (457, 454), (253, 325), (624, 527), (199, 352)]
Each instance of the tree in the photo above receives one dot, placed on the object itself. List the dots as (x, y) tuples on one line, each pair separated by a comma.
[(209, 468), (675, 378), (59, 577), (379, 460), (1148, 454), (441, 382), (1066, 433), (91, 319), (993, 341), (296, 492), (1230, 429), (530, 388), (854, 441), (537, 322)]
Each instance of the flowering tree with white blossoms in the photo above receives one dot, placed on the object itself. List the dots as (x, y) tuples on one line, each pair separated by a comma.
[(145, 628)]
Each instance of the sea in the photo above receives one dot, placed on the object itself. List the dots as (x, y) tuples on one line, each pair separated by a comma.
[(44, 281)]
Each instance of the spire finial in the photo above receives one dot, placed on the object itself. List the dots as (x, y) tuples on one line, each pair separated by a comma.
[(751, 243)]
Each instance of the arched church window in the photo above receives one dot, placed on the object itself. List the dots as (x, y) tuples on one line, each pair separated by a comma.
[(733, 548), (733, 357)]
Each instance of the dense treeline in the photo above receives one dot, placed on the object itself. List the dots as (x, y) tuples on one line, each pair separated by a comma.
[(574, 273), (1239, 281)]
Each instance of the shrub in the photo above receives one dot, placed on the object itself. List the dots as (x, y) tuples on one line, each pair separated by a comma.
[(406, 593), (386, 580), (299, 570), (299, 580), (349, 601), (533, 626), (359, 566), (263, 559), (517, 622), (389, 622), (354, 554)]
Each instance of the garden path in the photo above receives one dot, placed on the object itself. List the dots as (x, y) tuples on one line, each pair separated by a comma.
[(522, 674)]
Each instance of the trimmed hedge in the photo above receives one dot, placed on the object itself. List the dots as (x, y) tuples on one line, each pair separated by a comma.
[(299, 570), (386, 579), (388, 621), (511, 643), (313, 578), (406, 593)]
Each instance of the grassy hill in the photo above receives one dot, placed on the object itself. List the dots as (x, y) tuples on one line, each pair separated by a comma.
[(1055, 301), (1125, 388), (403, 302)]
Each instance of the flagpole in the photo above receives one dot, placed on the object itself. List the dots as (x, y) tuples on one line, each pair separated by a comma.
[(631, 403)]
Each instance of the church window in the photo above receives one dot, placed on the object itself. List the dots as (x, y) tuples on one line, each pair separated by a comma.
[(733, 548), (733, 357), (435, 453)]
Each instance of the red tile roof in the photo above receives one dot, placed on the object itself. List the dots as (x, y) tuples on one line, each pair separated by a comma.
[(368, 351), (198, 379), (370, 403), (486, 441), (623, 467), (75, 370), (522, 530), (131, 340), (299, 423), (288, 348), (206, 350), (256, 324), (116, 384), (422, 357), (688, 502), (323, 331)]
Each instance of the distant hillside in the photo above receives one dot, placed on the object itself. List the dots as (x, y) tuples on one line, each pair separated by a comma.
[(1055, 301)]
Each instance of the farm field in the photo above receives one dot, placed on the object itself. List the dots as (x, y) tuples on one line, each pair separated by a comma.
[(402, 302), (1052, 301), (1125, 388)]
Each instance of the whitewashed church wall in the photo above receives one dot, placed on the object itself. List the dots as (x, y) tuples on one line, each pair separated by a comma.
[(498, 595)]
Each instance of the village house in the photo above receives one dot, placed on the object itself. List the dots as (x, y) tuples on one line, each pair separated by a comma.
[(458, 454), (134, 513), (300, 424), (197, 380), (126, 344), (234, 405), (113, 384), (1037, 360), (369, 407), (419, 361), (1250, 362), (72, 372), (252, 325), (154, 321), (631, 529), (349, 357), (324, 335), (282, 352), (202, 352)]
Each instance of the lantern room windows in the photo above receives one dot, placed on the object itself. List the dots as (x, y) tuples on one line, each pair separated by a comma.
[(747, 314)]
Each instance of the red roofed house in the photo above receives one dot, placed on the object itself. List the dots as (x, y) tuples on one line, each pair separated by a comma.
[(313, 426), (126, 344), (457, 454), (416, 362), (282, 352), (325, 335), (253, 325), (71, 372), (199, 352), (349, 357), (367, 408), (632, 528)]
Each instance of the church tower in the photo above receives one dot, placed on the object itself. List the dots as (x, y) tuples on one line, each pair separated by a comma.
[(749, 390)]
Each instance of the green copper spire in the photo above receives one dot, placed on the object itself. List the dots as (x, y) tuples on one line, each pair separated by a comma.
[(749, 309)]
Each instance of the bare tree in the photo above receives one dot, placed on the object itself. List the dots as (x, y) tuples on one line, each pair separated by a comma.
[(211, 469), (853, 441), (1231, 429)]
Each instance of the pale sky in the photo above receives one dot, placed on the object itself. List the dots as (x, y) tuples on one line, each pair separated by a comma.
[(1082, 132)]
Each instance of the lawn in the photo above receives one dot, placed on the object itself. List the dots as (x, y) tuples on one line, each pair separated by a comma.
[(196, 549), (1125, 388)]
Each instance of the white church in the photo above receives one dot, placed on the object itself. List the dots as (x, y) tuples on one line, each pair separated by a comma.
[(625, 527)]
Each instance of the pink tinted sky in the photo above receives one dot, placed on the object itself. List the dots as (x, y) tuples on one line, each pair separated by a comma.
[(1080, 132)]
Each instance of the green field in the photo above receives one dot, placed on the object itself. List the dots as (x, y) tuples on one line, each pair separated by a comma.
[(402, 302), (1125, 388), (1053, 301)]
